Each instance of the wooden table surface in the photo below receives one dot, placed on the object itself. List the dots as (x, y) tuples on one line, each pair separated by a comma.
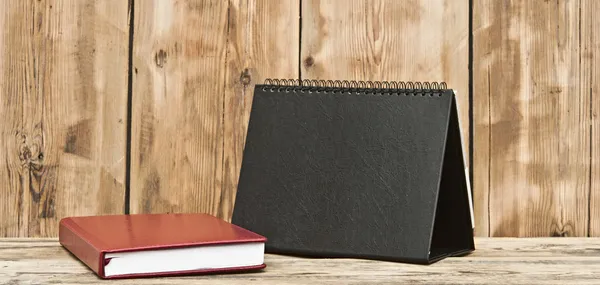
[(496, 261)]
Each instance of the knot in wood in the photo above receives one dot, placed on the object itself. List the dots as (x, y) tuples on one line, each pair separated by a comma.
[(160, 58), (30, 151), (24, 153), (309, 61), (246, 77)]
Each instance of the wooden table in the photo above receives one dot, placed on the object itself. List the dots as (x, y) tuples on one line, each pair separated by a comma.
[(496, 260)]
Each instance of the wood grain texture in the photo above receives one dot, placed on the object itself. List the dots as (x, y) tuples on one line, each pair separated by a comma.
[(417, 40), (496, 260), (179, 52), (531, 119), (590, 59), (263, 42), (63, 99)]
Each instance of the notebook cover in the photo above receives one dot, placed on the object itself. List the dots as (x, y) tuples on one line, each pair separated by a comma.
[(89, 238), (343, 175)]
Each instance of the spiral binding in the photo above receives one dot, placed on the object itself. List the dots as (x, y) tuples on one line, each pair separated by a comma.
[(354, 86)]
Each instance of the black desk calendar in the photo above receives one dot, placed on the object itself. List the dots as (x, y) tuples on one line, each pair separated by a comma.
[(356, 169)]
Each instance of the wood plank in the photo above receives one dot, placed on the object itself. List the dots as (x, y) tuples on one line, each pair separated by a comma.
[(418, 40), (12, 248), (63, 94), (179, 55), (590, 59), (531, 118), (523, 261), (262, 43), (481, 116)]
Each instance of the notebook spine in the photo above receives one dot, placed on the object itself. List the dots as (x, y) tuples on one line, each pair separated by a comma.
[(354, 86)]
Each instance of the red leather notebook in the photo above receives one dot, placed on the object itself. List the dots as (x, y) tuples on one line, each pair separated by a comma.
[(122, 246)]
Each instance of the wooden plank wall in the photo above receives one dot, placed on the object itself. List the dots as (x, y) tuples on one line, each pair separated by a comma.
[(69, 109), (179, 51), (534, 118), (195, 64), (63, 103), (590, 60)]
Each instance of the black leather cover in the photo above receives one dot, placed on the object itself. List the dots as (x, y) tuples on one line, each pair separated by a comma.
[(355, 175)]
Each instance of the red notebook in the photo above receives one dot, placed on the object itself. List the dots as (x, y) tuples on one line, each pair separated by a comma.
[(122, 246)]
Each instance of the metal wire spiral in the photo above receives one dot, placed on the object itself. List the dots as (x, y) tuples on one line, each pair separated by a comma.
[(354, 86)]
